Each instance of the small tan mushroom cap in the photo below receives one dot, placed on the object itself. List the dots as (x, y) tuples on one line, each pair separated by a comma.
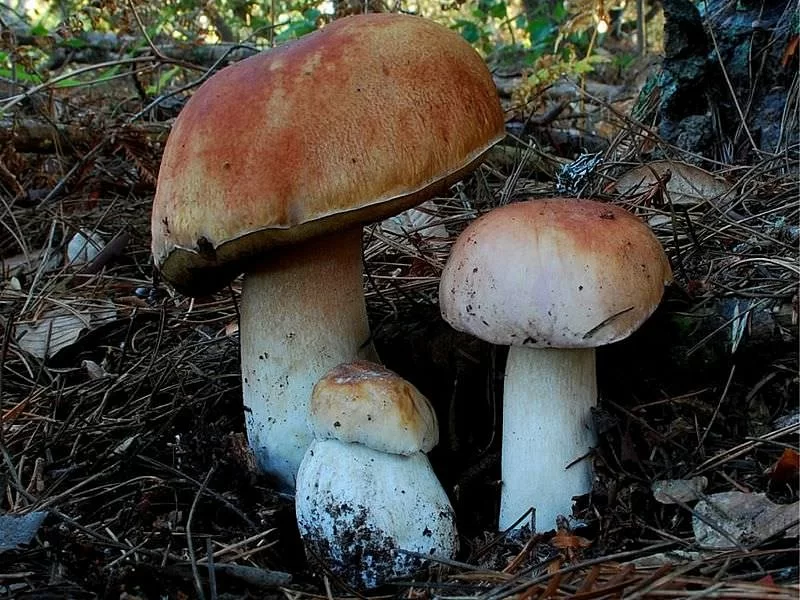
[(558, 272), (350, 124), (366, 403)]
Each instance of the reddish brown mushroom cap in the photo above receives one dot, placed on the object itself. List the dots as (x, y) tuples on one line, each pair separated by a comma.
[(350, 124)]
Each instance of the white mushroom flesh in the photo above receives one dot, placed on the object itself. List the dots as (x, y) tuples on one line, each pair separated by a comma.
[(359, 509)]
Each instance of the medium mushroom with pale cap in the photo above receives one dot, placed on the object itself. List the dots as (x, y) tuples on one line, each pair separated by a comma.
[(552, 279), (273, 166), (368, 502)]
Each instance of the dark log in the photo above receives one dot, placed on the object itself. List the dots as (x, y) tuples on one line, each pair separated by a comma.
[(39, 136), (95, 47)]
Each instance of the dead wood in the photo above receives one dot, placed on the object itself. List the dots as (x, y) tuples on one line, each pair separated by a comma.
[(29, 134)]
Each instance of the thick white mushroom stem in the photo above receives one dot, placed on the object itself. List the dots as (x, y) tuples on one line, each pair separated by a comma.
[(359, 508), (547, 426), (301, 314)]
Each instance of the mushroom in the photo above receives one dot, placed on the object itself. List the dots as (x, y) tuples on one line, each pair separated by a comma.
[(553, 279), (272, 168), (368, 502)]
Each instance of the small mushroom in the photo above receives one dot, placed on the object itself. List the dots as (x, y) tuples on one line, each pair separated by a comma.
[(272, 168), (553, 279), (368, 502)]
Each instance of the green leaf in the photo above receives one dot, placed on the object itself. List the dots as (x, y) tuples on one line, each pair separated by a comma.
[(480, 15), (163, 80), (598, 58), (311, 15), (498, 10), (469, 31), (74, 43), (20, 74), (541, 30), (296, 29), (39, 29), (582, 67)]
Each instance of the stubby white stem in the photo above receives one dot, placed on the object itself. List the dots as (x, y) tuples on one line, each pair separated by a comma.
[(358, 509), (547, 425), (302, 313)]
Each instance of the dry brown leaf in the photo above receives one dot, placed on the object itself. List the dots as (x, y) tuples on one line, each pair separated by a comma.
[(670, 491), (420, 221), (94, 370), (787, 468), (687, 184), (673, 557), (27, 263), (554, 566), (569, 541), (729, 518), (59, 328), (15, 411), (231, 328), (790, 51)]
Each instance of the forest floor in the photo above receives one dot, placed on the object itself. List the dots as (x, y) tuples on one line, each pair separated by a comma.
[(125, 469)]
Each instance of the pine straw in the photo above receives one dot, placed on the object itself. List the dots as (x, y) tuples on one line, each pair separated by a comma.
[(142, 468)]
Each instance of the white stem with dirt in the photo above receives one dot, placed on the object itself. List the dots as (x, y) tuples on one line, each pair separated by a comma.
[(302, 313)]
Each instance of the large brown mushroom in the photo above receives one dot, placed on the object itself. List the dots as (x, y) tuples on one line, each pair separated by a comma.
[(272, 168)]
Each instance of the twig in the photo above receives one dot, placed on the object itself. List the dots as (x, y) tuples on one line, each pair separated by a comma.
[(732, 91), (716, 408), (736, 451), (508, 589), (212, 575), (231, 547), (14, 100), (198, 584)]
